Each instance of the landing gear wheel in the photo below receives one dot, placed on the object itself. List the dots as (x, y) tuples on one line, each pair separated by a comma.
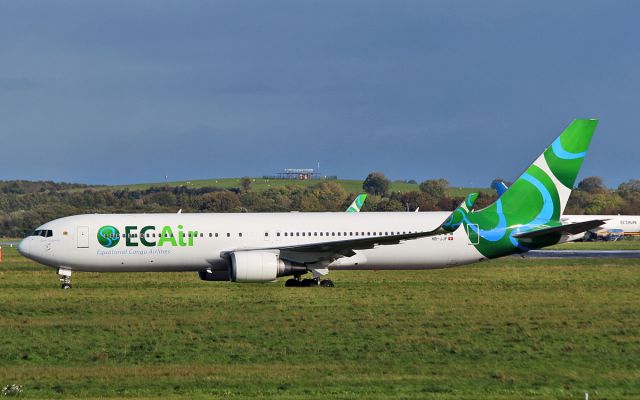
[(292, 282), (309, 282), (66, 286), (326, 283)]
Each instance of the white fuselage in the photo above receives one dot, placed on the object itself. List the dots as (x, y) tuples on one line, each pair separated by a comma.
[(629, 224), (73, 243)]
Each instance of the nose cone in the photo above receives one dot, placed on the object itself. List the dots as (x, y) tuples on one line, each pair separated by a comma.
[(23, 247)]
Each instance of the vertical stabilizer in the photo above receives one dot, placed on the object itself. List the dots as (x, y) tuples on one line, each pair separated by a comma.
[(357, 203), (537, 198)]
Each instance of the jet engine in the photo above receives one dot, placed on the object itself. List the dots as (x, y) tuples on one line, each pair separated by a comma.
[(260, 266)]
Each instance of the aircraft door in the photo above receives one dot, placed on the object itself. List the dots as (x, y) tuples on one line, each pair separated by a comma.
[(83, 237)]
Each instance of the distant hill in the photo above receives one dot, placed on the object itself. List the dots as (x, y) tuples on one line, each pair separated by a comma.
[(28, 187), (25, 205), (260, 184)]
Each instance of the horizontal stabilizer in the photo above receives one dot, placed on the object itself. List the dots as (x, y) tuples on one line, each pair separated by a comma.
[(569, 229)]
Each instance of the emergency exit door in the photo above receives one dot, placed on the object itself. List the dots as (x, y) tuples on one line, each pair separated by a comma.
[(83, 237)]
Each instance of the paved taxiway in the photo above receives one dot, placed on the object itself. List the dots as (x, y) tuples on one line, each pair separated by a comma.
[(583, 254)]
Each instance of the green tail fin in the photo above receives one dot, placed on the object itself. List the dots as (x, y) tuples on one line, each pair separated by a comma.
[(537, 198), (357, 203), (556, 170)]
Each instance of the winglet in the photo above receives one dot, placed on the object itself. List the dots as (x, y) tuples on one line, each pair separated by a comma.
[(457, 216)]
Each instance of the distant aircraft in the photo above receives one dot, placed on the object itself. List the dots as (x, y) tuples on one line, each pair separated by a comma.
[(249, 247), (628, 224), (357, 203), (501, 187)]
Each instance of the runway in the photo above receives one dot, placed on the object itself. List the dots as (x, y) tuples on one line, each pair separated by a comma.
[(583, 254)]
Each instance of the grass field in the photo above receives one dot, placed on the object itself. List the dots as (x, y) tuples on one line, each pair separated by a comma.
[(508, 329), (259, 184)]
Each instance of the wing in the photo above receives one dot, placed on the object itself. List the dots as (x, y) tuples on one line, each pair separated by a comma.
[(568, 229), (328, 251)]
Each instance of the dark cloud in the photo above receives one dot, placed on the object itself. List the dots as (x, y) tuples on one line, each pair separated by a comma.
[(117, 92)]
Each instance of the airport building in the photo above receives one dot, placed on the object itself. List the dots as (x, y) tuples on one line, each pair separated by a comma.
[(302, 174)]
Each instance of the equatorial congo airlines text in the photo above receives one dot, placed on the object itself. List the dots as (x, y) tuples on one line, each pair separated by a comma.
[(109, 236)]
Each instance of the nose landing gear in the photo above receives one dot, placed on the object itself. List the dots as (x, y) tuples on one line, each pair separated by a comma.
[(64, 275)]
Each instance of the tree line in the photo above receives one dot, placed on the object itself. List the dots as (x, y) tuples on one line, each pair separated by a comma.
[(24, 205)]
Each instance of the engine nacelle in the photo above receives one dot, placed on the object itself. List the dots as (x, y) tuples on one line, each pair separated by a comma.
[(260, 266), (209, 275)]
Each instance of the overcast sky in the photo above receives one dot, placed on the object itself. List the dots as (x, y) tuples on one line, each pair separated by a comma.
[(131, 91)]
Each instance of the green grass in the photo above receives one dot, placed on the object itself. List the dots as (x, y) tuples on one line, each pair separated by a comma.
[(512, 328), (259, 184)]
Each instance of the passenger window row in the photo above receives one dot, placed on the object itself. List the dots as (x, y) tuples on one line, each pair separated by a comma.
[(365, 234), (49, 233), (266, 234), (287, 234)]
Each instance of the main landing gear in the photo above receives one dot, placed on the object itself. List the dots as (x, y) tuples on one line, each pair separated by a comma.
[(317, 272), (297, 282), (64, 275)]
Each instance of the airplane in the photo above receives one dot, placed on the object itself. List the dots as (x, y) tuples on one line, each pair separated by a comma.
[(628, 224), (501, 187), (357, 203), (261, 247)]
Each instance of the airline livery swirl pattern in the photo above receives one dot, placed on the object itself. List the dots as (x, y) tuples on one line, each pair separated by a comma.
[(535, 200), (357, 203), (459, 214)]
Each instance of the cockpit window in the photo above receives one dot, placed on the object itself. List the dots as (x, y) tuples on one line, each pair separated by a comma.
[(43, 233)]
